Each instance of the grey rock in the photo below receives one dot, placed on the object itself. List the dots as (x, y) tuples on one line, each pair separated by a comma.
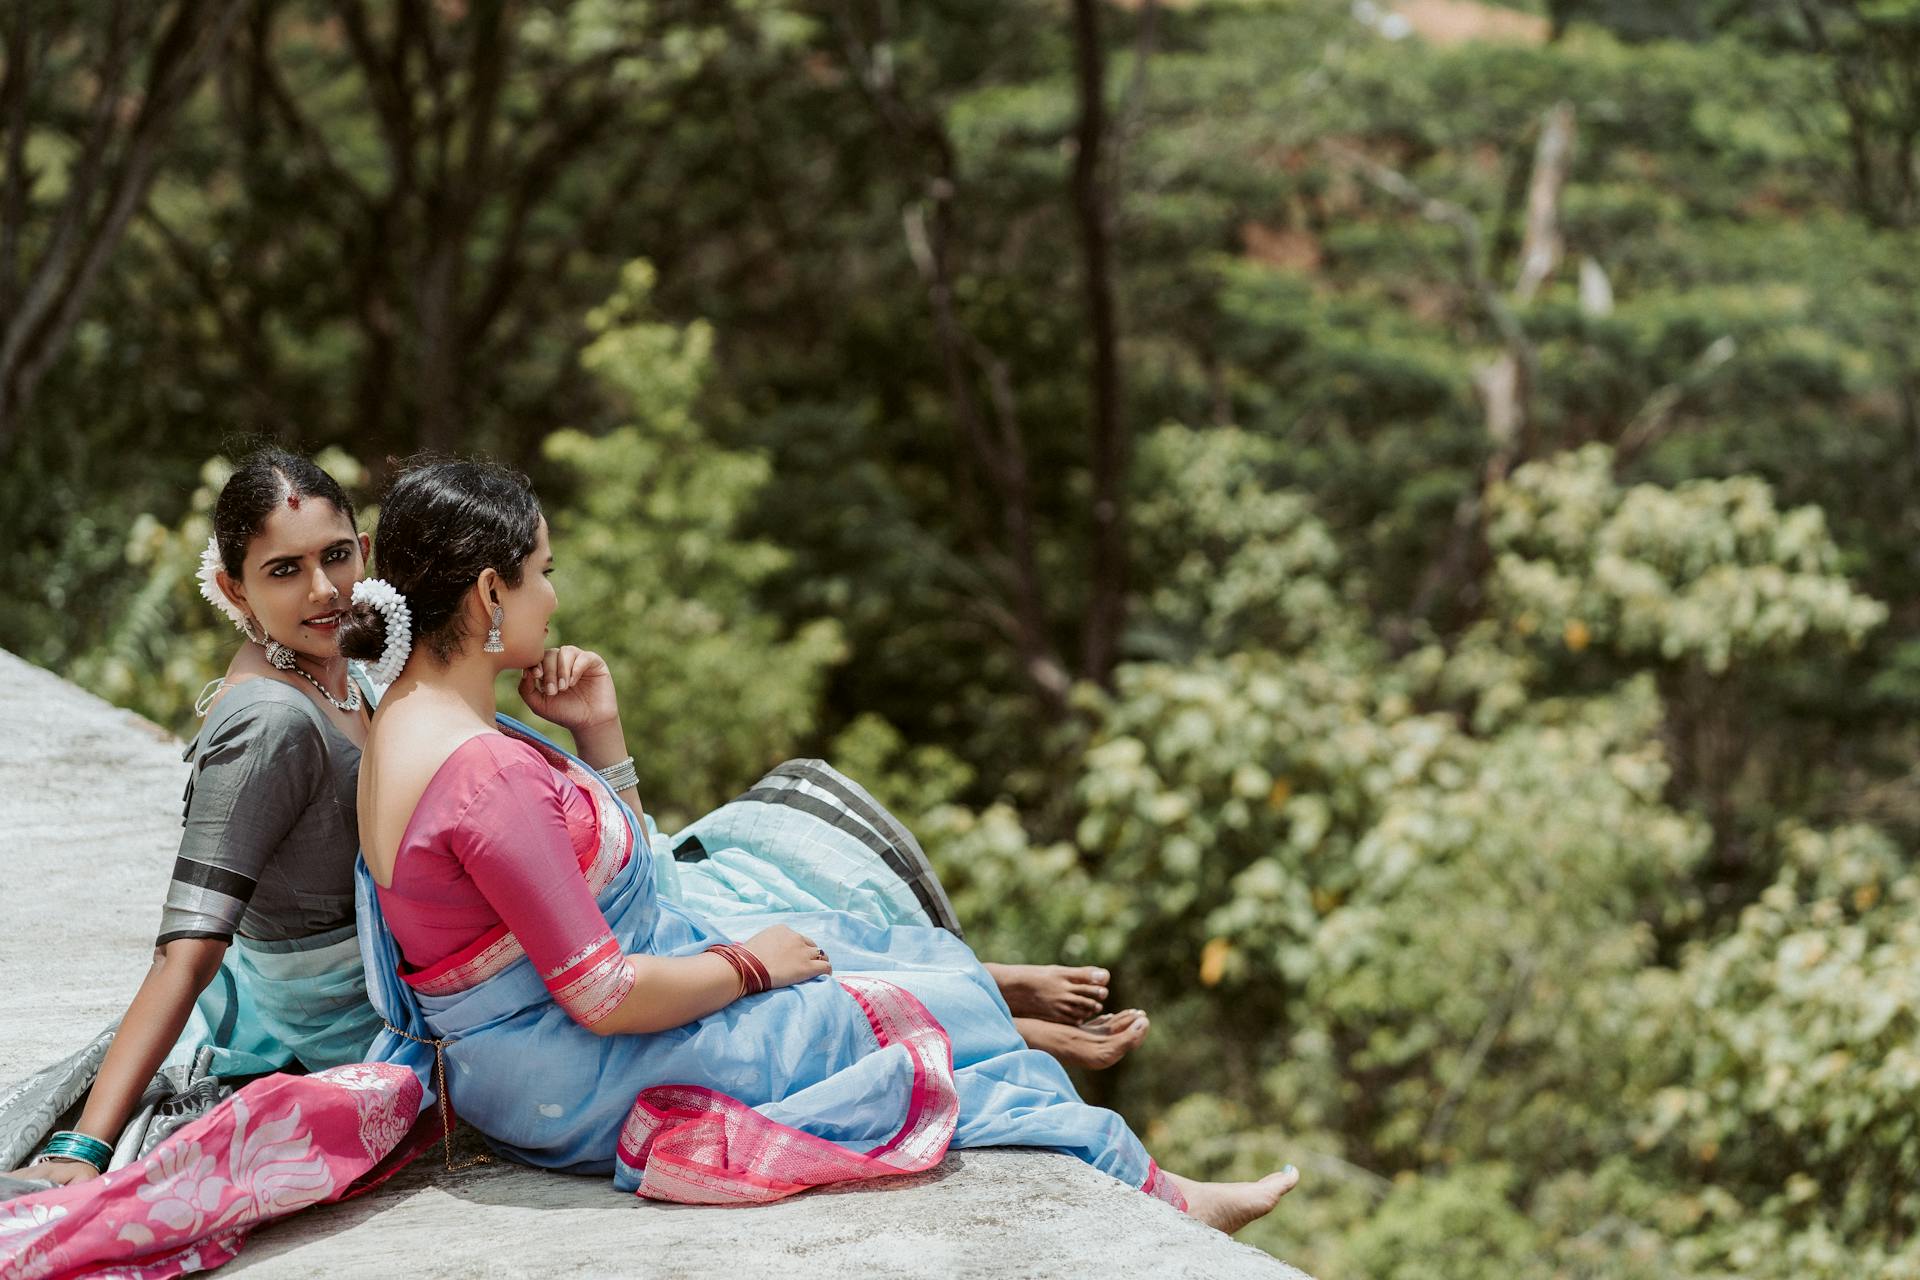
[(89, 819)]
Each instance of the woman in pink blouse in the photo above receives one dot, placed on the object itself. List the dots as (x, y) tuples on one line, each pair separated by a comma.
[(510, 922)]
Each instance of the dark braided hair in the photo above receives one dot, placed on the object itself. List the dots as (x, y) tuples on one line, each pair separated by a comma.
[(442, 524), (264, 480)]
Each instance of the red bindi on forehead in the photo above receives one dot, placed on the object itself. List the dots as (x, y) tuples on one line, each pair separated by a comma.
[(293, 500)]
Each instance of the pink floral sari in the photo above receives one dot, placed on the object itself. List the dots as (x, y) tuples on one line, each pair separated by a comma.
[(279, 1145)]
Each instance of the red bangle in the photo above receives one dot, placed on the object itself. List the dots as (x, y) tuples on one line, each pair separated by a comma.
[(725, 951), (754, 977), (764, 980)]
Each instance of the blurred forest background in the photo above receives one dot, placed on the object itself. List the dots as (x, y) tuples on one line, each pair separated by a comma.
[(1391, 525)]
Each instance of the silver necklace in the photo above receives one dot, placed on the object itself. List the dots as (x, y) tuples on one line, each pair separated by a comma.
[(352, 703)]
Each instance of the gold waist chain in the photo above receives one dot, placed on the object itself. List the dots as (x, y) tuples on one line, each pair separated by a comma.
[(446, 1103)]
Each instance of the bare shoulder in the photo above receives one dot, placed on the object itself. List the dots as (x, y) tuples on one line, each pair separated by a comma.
[(403, 755)]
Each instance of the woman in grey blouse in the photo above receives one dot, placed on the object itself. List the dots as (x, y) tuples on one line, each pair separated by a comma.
[(256, 954), (265, 821)]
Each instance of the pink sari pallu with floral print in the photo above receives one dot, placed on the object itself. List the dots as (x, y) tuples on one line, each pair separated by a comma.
[(281, 1144)]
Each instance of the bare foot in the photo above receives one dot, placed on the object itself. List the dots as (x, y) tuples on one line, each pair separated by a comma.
[(1230, 1206), (1096, 1046), (1051, 991)]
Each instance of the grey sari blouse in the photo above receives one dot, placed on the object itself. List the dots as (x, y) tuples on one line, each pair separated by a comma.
[(271, 822)]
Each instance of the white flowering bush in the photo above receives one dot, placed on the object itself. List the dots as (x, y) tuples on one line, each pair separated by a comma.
[(1707, 571)]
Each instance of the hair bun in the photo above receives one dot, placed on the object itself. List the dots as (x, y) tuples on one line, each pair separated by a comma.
[(442, 525), (363, 632), (379, 629)]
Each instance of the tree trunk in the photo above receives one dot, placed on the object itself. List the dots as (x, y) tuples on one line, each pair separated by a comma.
[(121, 156), (1111, 443)]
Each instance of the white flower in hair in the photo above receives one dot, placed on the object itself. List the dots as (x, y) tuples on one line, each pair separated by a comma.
[(210, 585), (380, 595)]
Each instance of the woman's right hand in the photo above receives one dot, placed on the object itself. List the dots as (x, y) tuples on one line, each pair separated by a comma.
[(58, 1172), (790, 957), (571, 687)]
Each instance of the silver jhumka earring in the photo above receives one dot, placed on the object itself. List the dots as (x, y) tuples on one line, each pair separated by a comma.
[(494, 644), (278, 655)]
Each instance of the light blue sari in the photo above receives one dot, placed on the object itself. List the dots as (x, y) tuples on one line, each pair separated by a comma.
[(548, 1092)]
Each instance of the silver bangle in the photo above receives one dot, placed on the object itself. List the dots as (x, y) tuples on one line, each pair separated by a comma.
[(622, 776)]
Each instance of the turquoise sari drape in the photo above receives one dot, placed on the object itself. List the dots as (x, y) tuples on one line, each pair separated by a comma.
[(274, 1004)]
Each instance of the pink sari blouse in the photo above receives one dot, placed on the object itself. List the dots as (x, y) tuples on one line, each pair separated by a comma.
[(496, 863)]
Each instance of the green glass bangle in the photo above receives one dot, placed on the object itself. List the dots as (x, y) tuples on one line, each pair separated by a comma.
[(85, 1148)]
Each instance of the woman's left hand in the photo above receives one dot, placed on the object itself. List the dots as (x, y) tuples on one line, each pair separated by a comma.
[(58, 1172), (571, 687)]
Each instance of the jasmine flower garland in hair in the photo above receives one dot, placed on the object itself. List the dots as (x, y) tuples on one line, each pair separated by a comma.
[(380, 595)]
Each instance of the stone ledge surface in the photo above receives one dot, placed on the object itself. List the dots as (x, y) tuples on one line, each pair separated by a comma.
[(89, 821)]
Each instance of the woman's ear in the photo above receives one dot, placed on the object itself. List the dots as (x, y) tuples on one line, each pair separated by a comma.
[(486, 594), (366, 551), (232, 590)]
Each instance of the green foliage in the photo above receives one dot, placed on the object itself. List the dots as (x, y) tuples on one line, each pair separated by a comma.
[(654, 576), (1453, 1228), (1531, 863), (1708, 571), (1788, 1065), (1445, 928), (1226, 561)]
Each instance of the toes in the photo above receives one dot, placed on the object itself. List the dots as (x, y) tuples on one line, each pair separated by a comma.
[(1082, 1005), (1113, 1023), (1119, 1044)]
